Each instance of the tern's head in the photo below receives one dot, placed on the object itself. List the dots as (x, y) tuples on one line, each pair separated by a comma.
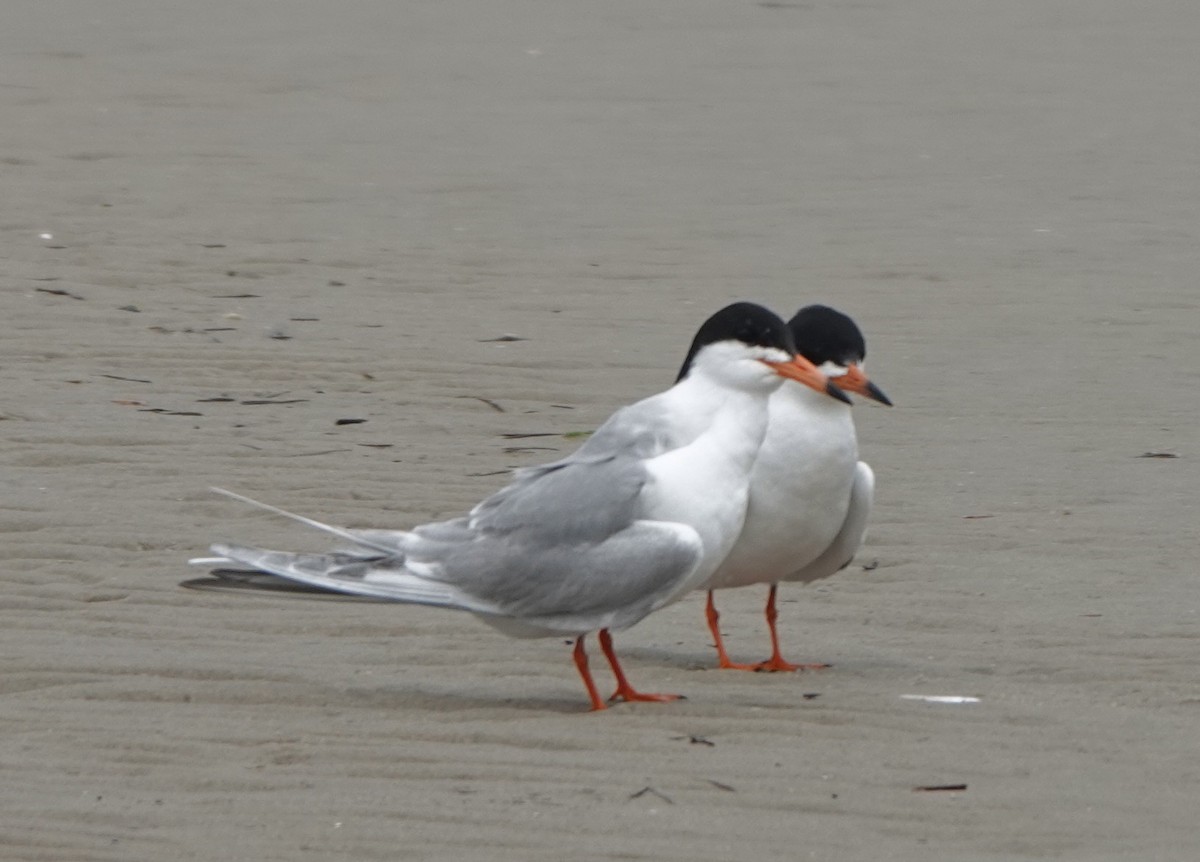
[(833, 342), (745, 346)]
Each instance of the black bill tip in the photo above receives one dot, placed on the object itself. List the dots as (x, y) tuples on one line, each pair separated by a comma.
[(875, 392), (834, 392)]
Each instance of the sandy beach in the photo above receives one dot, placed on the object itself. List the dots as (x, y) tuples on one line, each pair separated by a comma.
[(229, 227)]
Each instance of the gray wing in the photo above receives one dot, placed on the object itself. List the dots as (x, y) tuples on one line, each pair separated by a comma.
[(587, 497), (571, 536), (565, 543), (575, 499), (850, 538), (567, 538)]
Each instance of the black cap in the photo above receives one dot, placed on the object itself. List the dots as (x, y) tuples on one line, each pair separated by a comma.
[(823, 334), (746, 322)]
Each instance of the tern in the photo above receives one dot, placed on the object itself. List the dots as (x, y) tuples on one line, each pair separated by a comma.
[(810, 496), (640, 515)]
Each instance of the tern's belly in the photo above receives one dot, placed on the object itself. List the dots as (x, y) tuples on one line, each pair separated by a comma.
[(799, 499)]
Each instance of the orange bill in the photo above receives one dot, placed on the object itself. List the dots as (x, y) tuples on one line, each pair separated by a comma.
[(803, 371), (855, 380)]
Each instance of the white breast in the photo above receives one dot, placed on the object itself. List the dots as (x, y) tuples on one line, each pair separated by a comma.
[(799, 491), (706, 484)]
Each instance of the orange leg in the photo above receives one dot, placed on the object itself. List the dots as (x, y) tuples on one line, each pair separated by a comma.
[(723, 660), (776, 662), (625, 691), (581, 664)]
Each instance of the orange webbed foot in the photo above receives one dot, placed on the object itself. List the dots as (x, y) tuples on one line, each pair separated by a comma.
[(629, 695), (625, 691)]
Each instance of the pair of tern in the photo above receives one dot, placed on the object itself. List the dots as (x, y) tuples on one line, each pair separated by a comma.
[(744, 472)]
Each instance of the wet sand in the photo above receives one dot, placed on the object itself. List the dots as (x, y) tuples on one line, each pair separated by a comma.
[(229, 226)]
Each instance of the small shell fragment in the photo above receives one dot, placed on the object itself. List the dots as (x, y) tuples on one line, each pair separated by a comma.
[(941, 698)]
